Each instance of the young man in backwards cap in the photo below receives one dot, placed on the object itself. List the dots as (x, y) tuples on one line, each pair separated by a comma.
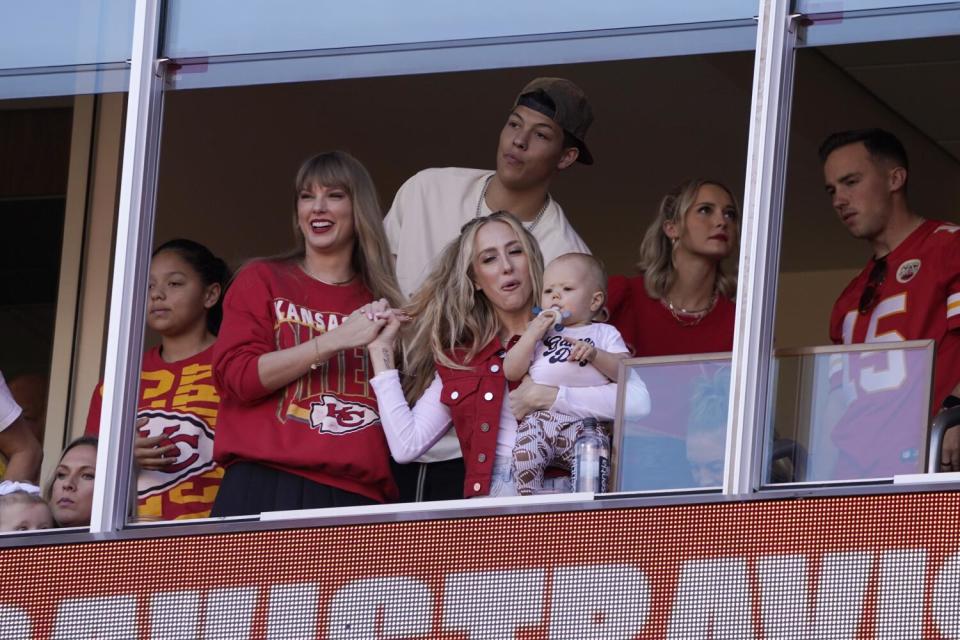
[(543, 135)]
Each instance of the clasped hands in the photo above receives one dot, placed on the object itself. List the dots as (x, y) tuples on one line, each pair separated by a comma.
[(378, 323)]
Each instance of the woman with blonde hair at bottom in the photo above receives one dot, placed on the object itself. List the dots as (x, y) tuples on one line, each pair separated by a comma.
[(298, 426), (478, 297)]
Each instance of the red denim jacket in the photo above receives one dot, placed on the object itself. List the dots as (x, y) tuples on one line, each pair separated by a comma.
[(474, 397)]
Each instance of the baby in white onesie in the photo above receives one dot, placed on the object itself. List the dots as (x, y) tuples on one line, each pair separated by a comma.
[(582, 354)]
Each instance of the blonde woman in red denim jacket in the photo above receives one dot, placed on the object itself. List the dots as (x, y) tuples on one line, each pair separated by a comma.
[(477, 299)]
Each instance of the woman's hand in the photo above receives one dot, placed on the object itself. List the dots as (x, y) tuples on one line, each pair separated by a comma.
[(362, 326), (149, 453), (279, 368), (530, 397), (383, 347), (387, 338)]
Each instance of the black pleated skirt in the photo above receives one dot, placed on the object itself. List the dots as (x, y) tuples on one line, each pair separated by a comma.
[(249, 488)]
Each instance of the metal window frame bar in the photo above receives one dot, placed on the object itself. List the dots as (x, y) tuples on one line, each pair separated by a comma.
[(840, 27), (135, 219), (760, 246), (459, 55)]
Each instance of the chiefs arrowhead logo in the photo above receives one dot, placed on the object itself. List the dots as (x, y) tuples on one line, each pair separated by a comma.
[(334, 416), (193, 439)]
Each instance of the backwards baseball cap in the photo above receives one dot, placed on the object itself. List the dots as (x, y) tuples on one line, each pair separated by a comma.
[(564, 103)]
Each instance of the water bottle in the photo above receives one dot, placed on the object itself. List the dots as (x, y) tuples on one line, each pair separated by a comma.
[(591, 459)]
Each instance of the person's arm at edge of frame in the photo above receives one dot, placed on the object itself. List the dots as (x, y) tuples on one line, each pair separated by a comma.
[(950, 448), (22, 451)]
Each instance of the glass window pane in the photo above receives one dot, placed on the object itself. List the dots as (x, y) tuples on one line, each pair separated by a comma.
[(871, 21), (832, 6), (47, 33), (204, 72), (833, 285), (52, 48), (849, 413), (241, 210), (680, 443), (229, 28), (58, 182), (64, 81)]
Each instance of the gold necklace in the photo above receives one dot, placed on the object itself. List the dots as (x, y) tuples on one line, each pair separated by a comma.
[(307, 271), (693, 316)]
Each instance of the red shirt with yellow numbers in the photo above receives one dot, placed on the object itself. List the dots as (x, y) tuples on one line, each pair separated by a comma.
[(180, 401), (918, 298)]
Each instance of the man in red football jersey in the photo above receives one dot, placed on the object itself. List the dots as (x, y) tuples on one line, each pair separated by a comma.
[(909, 290)]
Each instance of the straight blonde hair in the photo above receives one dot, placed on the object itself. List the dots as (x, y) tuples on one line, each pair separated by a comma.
[(449, 313), (656, 250), (371, 252)]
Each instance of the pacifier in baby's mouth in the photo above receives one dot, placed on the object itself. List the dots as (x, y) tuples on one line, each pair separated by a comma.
[(559, 315)]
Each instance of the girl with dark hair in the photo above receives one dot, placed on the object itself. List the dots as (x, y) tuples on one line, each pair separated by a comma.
[(179, 404), (300, 425)]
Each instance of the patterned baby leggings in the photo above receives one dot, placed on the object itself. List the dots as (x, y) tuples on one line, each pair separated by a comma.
[(544, 438)]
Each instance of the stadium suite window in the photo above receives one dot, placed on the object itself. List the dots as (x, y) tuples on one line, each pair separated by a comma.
[(33, 190), (58, 196), (904, 87), (284, 110)]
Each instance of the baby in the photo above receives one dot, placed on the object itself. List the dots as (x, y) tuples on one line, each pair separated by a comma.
[(582, 354), (23, 511)]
